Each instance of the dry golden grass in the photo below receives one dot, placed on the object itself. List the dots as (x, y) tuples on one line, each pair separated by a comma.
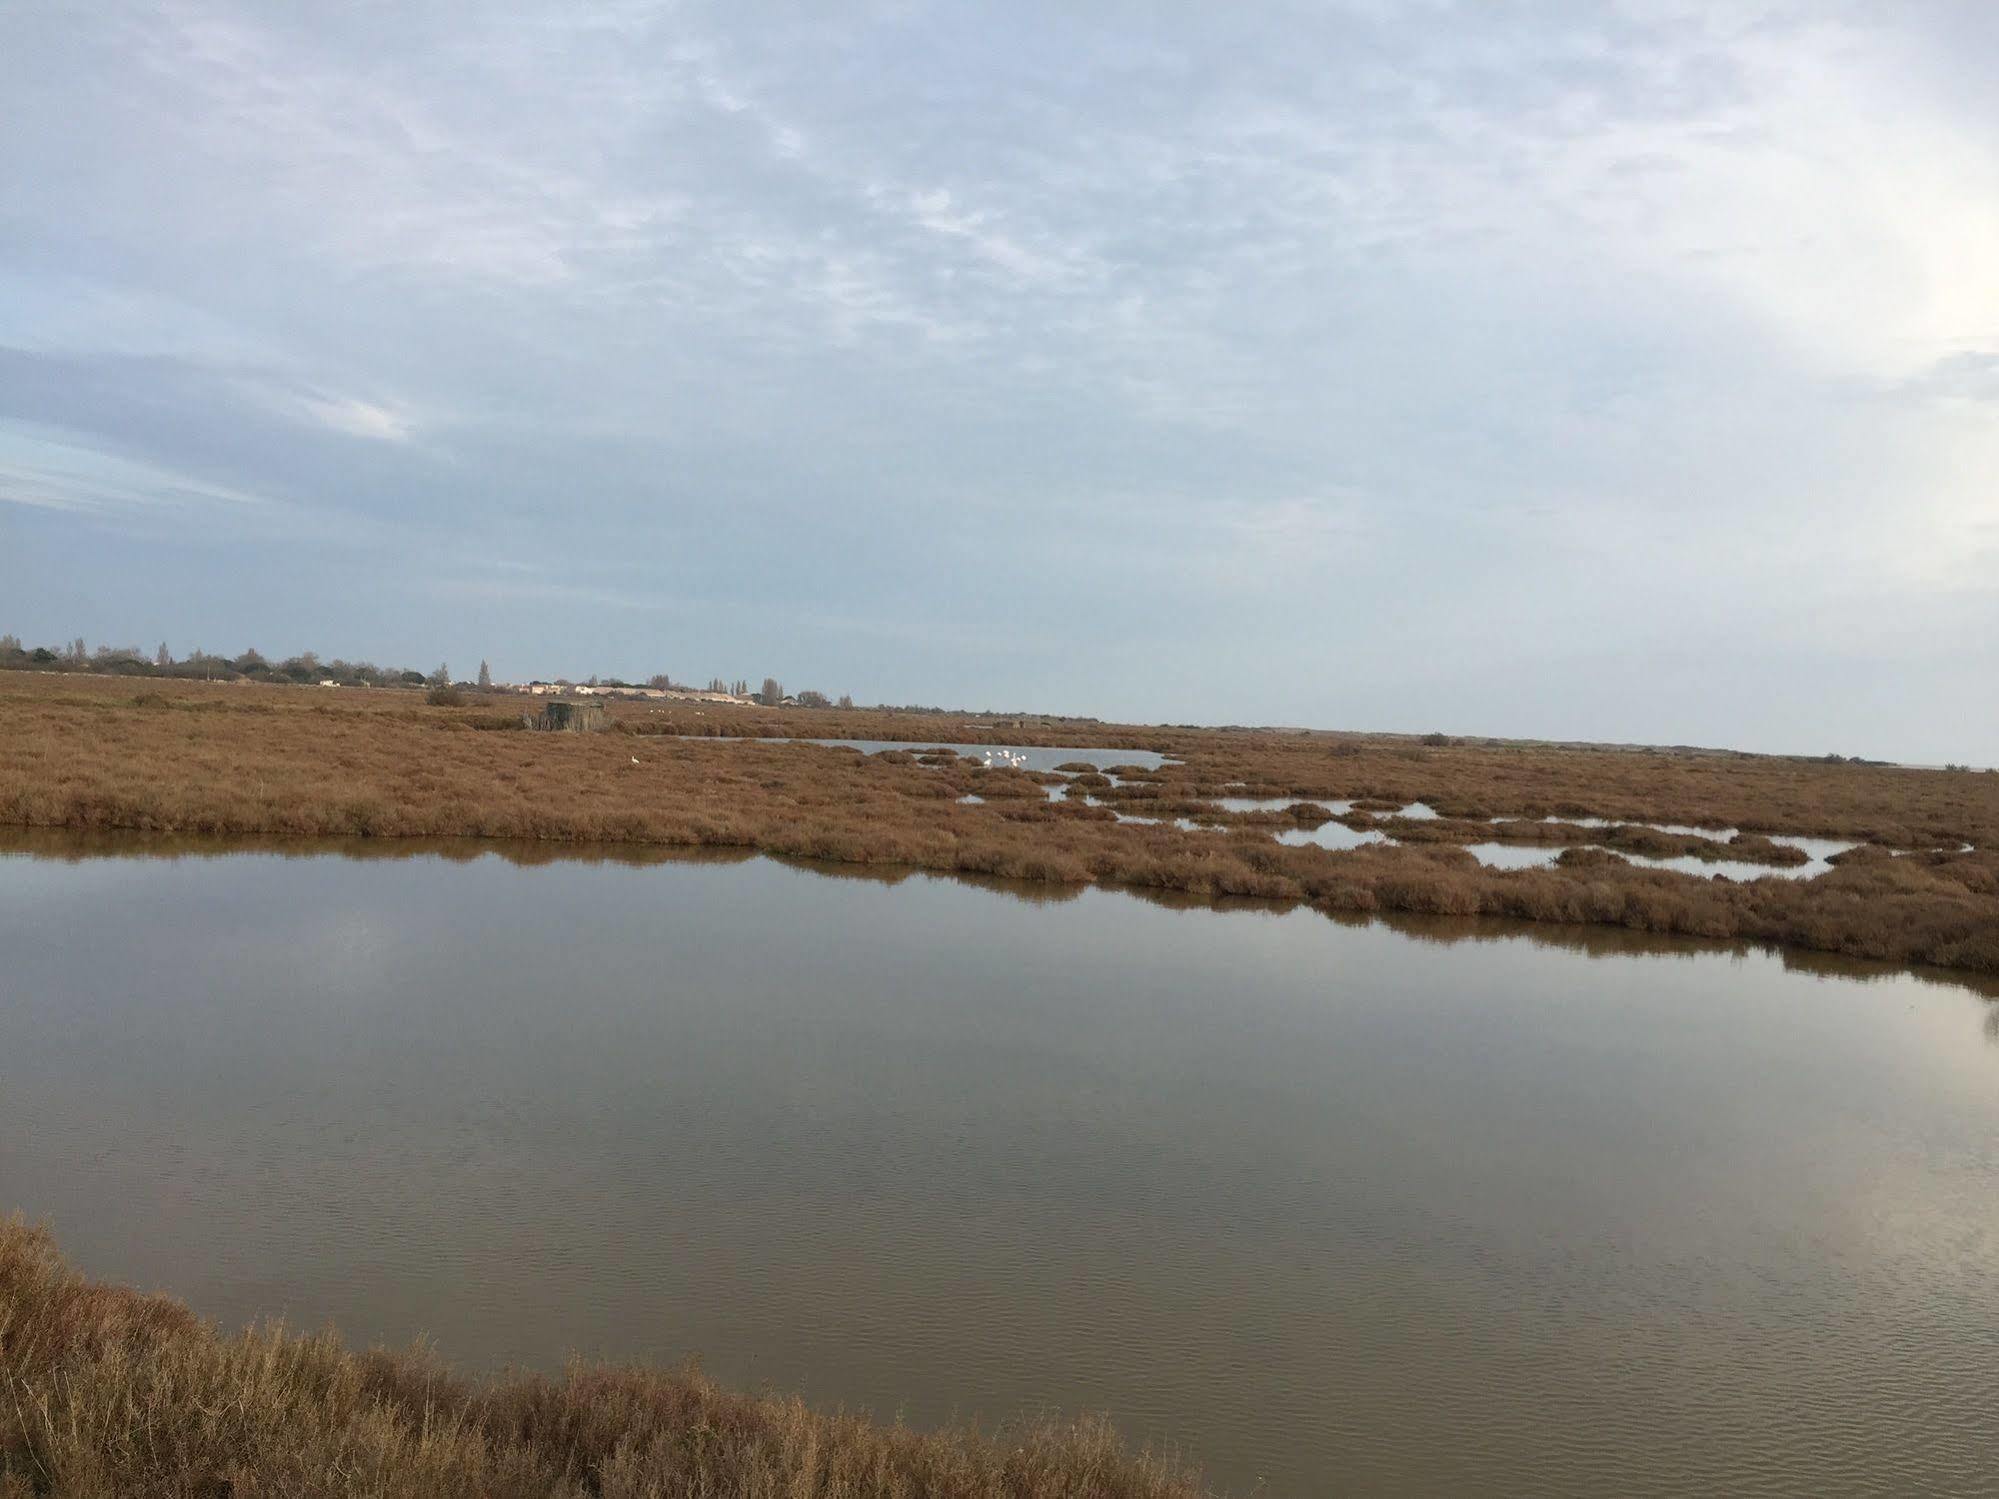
[(109, 1394), (93, 753)]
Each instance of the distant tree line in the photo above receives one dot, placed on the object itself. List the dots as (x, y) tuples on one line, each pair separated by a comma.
[(200, 665), (773, 695), (307, 669)]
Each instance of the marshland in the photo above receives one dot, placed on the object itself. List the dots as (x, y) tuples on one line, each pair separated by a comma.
[(1453, 949), (1904, 863), (988, 1106)]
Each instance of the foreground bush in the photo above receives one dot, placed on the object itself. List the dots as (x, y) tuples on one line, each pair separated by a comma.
[(106, 1392)]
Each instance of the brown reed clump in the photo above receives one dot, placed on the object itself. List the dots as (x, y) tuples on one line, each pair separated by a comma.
[(106, 1393)]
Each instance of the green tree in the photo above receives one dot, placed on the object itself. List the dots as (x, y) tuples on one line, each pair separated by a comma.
[(485, 675)]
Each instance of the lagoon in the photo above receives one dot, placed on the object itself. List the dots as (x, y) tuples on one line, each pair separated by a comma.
[(1393, 1209)]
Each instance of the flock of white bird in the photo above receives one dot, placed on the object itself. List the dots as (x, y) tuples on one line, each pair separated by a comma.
[(1011, 759)]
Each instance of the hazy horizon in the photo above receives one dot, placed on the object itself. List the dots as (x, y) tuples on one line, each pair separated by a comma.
[(466, 673), (1625, 373)]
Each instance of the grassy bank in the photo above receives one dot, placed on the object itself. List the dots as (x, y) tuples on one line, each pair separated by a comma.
[(188, 758), (106, 1392)]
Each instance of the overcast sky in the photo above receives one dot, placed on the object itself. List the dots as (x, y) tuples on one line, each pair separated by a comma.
[(1620, 371)]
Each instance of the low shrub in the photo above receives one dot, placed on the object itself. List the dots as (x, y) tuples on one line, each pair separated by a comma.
[(114, 1393)]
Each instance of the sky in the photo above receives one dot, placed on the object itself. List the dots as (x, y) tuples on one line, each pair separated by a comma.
[(1620, 371)]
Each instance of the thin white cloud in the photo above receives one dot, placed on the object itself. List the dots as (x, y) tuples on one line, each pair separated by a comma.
[(360, 418), (43, 471), (936, 211), (532, 590)]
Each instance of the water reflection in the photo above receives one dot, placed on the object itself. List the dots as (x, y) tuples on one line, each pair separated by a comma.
[(1545, 855), (1821, 850), (1330, 835), (1732, 869), (1280, 804), (1513, 855), (113, 849), (1022, 756), (71, 845), (1405, 1206), (1680, 829)]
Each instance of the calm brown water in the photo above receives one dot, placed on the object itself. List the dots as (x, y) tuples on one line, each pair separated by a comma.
[(1335, 1208)]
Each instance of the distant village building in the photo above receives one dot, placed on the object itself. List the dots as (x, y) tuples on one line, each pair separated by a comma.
[(654, 694)]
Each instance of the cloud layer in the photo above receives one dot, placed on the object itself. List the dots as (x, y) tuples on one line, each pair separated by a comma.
[(1611, 371)]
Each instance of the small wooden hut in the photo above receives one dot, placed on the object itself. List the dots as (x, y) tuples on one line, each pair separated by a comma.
[(565, 717)]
